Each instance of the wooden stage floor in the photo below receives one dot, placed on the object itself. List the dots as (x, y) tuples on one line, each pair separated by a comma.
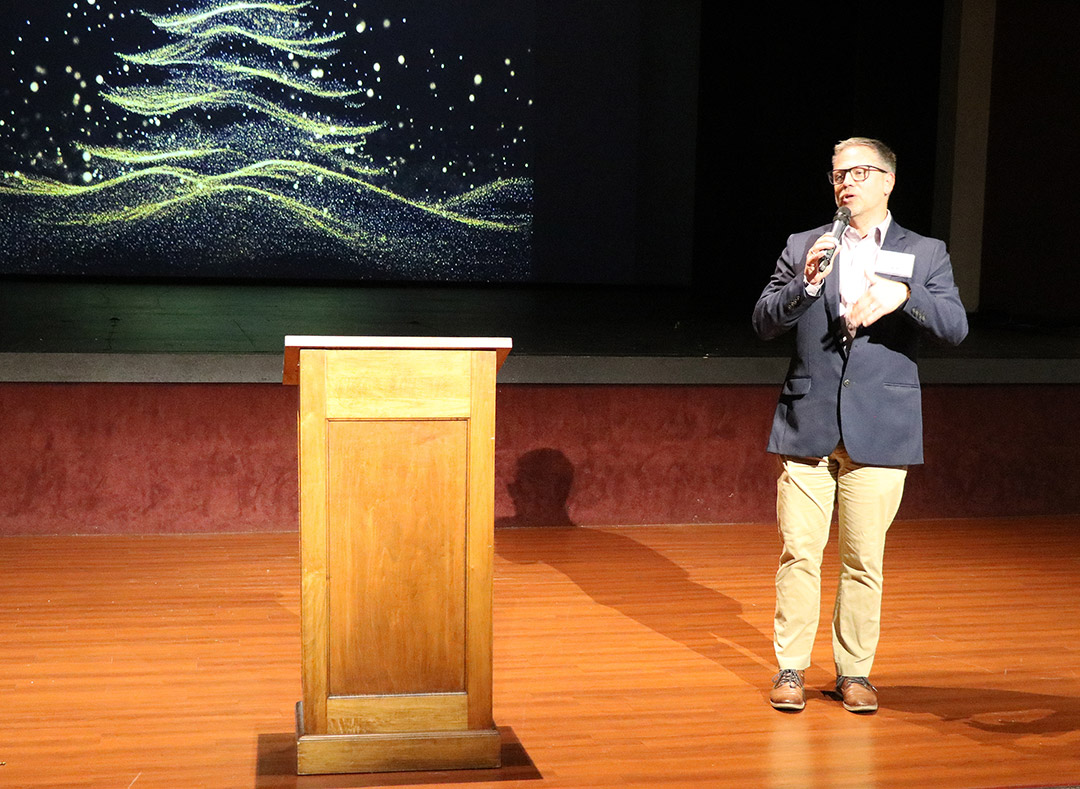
[(624, 657)]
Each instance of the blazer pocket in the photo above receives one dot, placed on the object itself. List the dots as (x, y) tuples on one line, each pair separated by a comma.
[(796, 387)]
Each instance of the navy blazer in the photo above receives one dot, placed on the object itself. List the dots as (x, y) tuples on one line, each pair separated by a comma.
[(868, 395)]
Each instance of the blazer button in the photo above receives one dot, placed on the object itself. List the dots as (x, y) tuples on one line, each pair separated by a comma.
[(847, 382)]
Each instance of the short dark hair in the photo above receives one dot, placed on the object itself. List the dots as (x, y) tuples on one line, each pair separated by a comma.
[(884, 152)]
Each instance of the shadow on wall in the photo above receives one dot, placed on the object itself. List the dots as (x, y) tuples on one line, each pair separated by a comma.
[(540, 490)]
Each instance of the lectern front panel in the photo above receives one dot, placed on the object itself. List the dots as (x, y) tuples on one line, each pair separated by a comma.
[(396, 556)]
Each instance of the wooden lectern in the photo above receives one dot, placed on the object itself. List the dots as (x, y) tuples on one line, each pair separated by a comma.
[(397, 466)]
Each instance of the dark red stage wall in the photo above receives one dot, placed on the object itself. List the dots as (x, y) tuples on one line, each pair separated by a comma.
[(169, 458)]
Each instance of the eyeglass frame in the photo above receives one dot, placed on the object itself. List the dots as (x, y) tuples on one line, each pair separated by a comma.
[(834, 181)]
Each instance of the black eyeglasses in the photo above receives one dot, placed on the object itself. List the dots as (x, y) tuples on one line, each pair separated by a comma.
[(859, 173)]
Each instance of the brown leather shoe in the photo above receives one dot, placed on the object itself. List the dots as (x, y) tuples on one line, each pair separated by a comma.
[(787, 690), (859, 695)]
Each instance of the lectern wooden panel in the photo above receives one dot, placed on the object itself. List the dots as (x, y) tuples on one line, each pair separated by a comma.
[(396, 440)]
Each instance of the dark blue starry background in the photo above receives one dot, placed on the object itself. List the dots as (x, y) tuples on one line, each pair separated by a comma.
[(395, 145)]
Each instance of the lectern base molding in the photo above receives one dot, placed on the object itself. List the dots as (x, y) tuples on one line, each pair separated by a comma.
[(321, 754)]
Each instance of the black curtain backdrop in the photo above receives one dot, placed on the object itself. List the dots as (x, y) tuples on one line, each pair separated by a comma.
[(778, 90), (1029, 271)]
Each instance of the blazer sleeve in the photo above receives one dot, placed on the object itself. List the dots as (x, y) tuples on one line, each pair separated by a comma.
[(935, 304), (785, 298)]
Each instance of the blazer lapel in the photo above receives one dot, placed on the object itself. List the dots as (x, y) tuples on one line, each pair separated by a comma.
[(895, 238), (832, 290), (832, 306)]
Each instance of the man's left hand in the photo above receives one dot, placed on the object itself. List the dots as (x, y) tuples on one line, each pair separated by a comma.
[(882, 297)]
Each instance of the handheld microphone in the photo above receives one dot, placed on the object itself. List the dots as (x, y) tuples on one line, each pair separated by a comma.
[(841, 219)]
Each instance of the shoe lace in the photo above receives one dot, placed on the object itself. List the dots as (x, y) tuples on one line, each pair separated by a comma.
[(788, 676), (854, 681)]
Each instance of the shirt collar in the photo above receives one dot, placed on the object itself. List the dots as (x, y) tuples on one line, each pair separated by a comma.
[(876, 234)]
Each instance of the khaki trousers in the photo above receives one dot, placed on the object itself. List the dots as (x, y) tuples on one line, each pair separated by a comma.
[(867, 498)]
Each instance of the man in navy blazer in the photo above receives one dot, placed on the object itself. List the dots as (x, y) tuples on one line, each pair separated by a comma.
[(849, 418)]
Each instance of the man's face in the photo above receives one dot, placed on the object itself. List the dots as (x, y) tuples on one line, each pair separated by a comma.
[(868, 200)]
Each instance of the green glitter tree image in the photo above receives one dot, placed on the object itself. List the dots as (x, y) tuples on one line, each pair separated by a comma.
[(239, 144)]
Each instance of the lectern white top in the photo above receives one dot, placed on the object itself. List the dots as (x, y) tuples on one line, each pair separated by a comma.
[(294, 343)]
